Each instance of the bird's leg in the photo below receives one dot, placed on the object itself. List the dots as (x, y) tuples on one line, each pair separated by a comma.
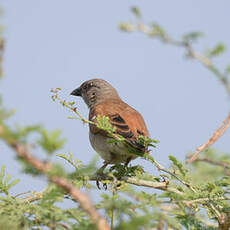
[(100, 172), (127, 161)]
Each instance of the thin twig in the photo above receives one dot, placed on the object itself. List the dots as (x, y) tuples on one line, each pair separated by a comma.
[(186, 44), (74, 109), (223, 164), (204, 200), (162, 168), (219, 132)]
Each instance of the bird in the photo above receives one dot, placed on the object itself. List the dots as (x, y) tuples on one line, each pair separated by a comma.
[(102, 99)]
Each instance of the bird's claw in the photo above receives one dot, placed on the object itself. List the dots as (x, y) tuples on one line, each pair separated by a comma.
[(105, 186), (98, 185)]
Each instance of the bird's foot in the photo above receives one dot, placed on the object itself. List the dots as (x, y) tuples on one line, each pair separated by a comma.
[(98, 185), (101, 176)]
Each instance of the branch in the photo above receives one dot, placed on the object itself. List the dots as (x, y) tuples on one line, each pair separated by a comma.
[(204, 200), (161, 168), (69, 106), (164, 186), (156, 31), (219, 132), (224, 221), (223, 164), (84, 201)]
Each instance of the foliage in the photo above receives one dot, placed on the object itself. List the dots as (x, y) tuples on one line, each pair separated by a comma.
[(179, 197)]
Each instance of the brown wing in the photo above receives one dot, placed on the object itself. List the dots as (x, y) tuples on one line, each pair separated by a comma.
[(128, 122)]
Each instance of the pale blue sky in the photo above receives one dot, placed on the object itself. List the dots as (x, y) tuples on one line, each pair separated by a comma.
[(60, 43)]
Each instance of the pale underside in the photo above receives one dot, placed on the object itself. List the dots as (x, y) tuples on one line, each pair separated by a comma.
[(112, 153)]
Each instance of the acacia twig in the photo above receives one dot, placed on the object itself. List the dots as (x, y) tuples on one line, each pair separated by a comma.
[(219, 132), (163, 169), (164, 186), (223, 164), (44, 167), (204, 200), (183, 43)]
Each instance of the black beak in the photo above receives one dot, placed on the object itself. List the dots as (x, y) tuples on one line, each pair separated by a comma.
[(76, 92)]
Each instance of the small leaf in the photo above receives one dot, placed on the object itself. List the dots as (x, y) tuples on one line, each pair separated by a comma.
[(179, 165), (158, 30), (136, 11), (5, 185), (193, 36), (73, 118), (7, 179), (71, 103), (14, 182), (51, 141), (145, 141), (217, 50), (2, 172), (127, 27), (104, 124), (227, 70)]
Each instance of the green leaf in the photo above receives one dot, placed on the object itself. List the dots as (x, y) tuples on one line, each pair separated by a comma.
[(77, 164), (2, 172), (192, 36), (76, 118), (51, 141), (227, 70), (5, 185), (135, 10), (158, 30), (217, 50), (127, 27), (179, 165), (8, 178), (104, 124), (14, 182), (71, 103), (145, 141)]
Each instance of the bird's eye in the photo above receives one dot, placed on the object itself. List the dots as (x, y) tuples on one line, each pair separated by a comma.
[(88, 86)]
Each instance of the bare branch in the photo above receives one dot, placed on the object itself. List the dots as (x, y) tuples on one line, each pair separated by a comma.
[(219, 132)]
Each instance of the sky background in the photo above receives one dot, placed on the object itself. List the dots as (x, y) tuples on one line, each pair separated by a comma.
[(60, 43)]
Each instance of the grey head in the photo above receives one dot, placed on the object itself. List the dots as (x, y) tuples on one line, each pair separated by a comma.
[(95, 91)]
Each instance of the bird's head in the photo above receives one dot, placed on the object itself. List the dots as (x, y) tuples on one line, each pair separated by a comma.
[(95, 91)]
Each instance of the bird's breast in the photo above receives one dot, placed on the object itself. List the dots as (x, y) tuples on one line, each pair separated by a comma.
[(111, 152)]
